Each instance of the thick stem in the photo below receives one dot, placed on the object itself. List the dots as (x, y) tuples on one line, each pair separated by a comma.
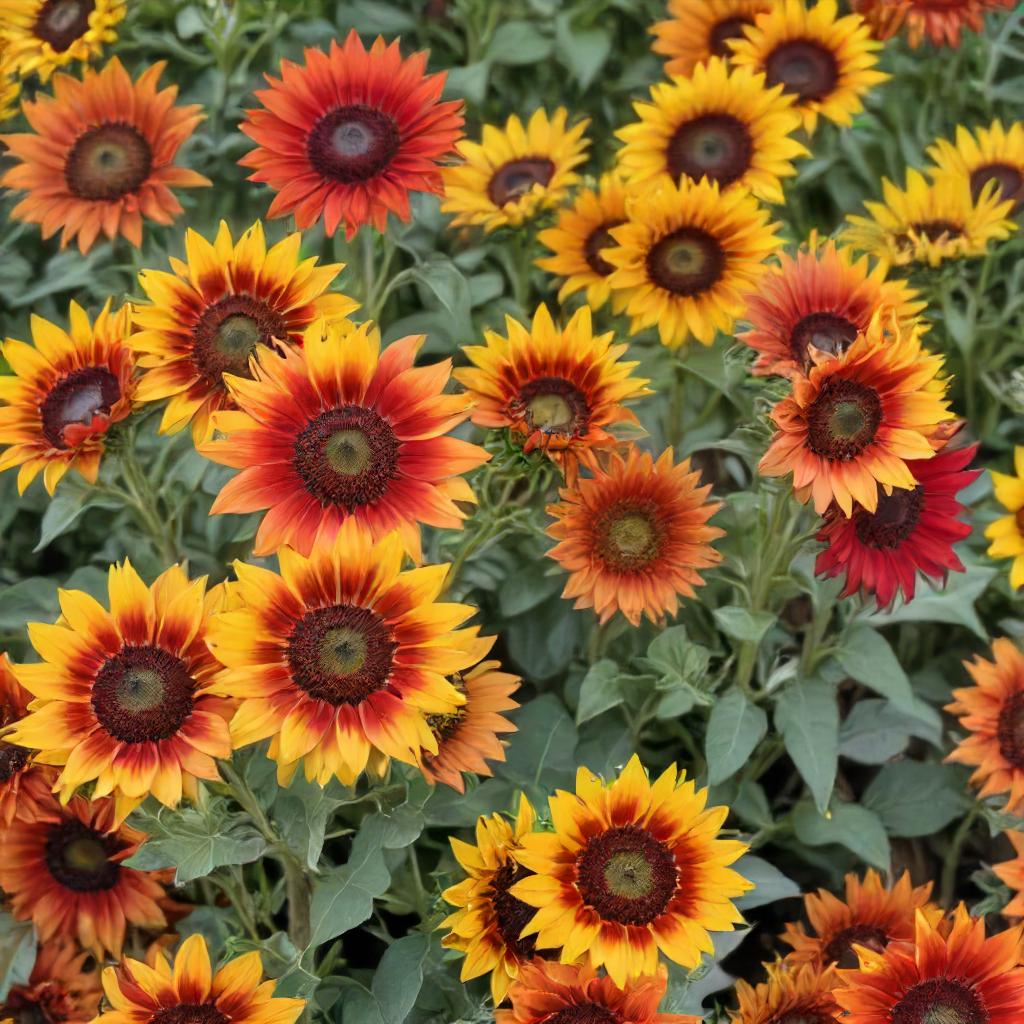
[(300, 898), (952, 860), (144, 504)]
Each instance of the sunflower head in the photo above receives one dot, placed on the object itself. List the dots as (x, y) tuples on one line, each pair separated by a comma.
[(1007, 532), (697, 30), (1011, 874), (799, 994), (60, 989), (993, 154), (10, 84), (939, 21)]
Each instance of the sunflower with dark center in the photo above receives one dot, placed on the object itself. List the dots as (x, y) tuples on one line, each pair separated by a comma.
[(686, 256), (25, 787), (1007, 532), (514, 172), (1011, 874), (697, 30), (721, 123), (633, 868), (993, 154), (799, 995), (349, 134), (119, 692), (339, 431), (216, 310), (100, 158), (951, 974), (992, 714), (939, 21), (825, 62), (60, 990)]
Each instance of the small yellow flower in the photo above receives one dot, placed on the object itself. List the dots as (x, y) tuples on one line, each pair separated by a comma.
[(1007, 534)]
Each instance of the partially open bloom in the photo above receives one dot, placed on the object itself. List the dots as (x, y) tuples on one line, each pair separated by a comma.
[(24, 786), (349, 134), (515, 171), (1011, 873), (939, 21), (799, 994), (697, 30), (986, 154), (1007, 533), (633, 867), (60, 989), (100, 156)]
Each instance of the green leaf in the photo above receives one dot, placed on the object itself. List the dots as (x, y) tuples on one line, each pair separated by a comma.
[(541, 751), (582, 50), (807, 716), (399, 977), (518, 42), (915, 799), (857, 828), (302, 812), (451, 289), (528, 587), (734, 729), (875, 730), (31, 600), (64, 509), (17, 952), (770, 884), (599, 691), (743, 625), (867, 657), (677, 657)]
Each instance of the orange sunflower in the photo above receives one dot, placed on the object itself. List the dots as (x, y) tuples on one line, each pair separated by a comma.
[(1011, 872), (855, 420), (118, 692), (557, 389), (339, 431), (634, 535), (940, 21), (992, 711), (101, 155), (799, 995), (66, 393), (349, 134), (59, 991), (820, 299), (952, 973), (632, 868), (65, 873), (697, 30)]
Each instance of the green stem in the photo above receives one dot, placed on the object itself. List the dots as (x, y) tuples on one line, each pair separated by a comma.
[(952, 860), (145, 504)]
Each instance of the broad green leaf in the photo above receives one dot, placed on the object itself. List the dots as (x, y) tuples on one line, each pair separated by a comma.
[(517, 43), (64, 509), (857, 828), (677, 657), (302, 812), (582, 50), (916, 799), (743, 625), (528, 587), (541, 751), (807, 716), (867, 657), (599, 691), (770, 884), (734, 729), (875, 730), (17, 952)]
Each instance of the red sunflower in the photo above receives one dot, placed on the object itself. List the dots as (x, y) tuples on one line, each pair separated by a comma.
[(60, 989), (940, 21)]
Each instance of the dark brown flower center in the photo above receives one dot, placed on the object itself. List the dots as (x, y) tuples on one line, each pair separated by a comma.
[(48, 1003), (686, 262), (827, 332), (893, 521), (629, 535), (843, 420), (353, 143), (936, 230), (839, 950), (584, 1013), (515, 178), (227, 334), (552, 405), (12, 760), (1019, 519), (512, 914), (598, 239), (1011, 730), (940, 1001), (143, 694), (108, 162), (77, 398), (722, 32), (626, 875), (61, 22), (716, 146), (189, 1013), (79, 857), (806, 1015), (1009, 179), (803, 67)]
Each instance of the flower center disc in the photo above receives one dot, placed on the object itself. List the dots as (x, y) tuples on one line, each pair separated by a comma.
[(805, 1015), (716, 146), (512, 914), (840, 949), (12, 760), (353, 144), (626, 875), (687, 262), (227, 334), (803, 67), (143, 694), (940, 1001), (936, 230), (598, 239), (79, 857), (583, 1013), (189, 1013), (517, 177), (723, 31), (77, 398), (1011, 730), (108, 162), (827, 332), (61, 22), (629, 537), (892, 522), (553, 406), (843, 419), (1010, 179)]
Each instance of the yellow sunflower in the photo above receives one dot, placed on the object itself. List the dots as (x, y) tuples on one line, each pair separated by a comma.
[(514, 172), (722, 123), (688, 256), (697, 30), (825, 61), (10, 86), (1007, 533), (988, 154)]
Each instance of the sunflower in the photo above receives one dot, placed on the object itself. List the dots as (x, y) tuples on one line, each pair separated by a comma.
[(514, 172), (65, 873), (10, 86), (697, 30), (634, 535), (856, 420), (686, 257), (989, 154), (192, 991), (633, 867), (911, 531), (992, 712), (1007, 533), (797, 995), (928, 222), (827, 62), (1011, 873), (940, 21), (821, 299), (952, 973), (724, 124), (208, 317), (556, 389), (553, 993), (872, 915), (578, 237), (338, 431), (349, 134), (65, 394), (59, 991), (44, 35), (487, 926), (119, 695), (468, 736)]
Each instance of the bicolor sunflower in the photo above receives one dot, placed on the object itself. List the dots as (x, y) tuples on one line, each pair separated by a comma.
[(515, 171), (1007, 532), (930, 221), (911, 531), (487, 926), (697, 30), (68, 390), (220, 304), (819, 299), (951, 972), (986, 154), (190, 989), (579, 235), (1011, 874), (632, 868), (65, 873), (634, 536), (555, 389), (802, 993), (60, 990), (848, 429), (339, 430), (992, 713), (348, 135), (827, 62), (939, 21), (722, 123), (118, 693), (687, 256)]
